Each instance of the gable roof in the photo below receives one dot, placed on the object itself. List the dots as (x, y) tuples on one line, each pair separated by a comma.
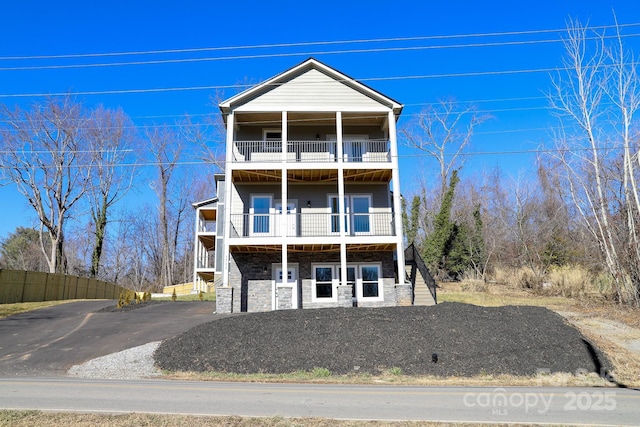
[(212, 201), (305, 67)]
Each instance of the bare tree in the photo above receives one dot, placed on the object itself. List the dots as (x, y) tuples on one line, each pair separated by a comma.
[(165, 148), (596, 100), (110, 137), (46, 157), (444, 131)]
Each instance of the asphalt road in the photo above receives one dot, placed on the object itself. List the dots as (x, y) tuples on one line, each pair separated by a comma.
[(48, 341), (581, 406)]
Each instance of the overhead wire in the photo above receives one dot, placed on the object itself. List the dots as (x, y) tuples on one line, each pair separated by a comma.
[(314, 43)]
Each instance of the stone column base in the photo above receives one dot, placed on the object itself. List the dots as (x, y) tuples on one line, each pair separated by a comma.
[(404, 294), (224, 300), (345, 296), (285, 298)]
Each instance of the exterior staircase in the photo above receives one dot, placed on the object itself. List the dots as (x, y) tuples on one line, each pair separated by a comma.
[(423, 284)]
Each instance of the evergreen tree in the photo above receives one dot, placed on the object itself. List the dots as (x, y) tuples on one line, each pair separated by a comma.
[(411, 223), (438, 245)]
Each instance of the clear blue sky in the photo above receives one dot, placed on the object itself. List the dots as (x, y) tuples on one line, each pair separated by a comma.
[(41, 28)]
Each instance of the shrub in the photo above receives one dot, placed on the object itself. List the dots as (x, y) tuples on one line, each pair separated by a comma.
[(395, 371), (321, 372)]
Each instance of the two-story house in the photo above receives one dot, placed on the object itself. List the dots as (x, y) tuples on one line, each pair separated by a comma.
[(308, 211)]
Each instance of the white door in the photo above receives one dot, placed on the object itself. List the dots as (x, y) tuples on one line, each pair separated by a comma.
[(292, 281), (354, 146), (292, 219)]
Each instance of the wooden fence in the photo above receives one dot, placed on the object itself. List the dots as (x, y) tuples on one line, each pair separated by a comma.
[(35, 286)]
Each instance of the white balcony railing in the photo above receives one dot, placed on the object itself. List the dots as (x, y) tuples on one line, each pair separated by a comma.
[(312, 224), (371, 150), (207, 227)]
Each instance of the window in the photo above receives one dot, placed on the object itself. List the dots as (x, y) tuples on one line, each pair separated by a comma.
[(260, 214), (370, 275), (357, 218), (335, 214), (360, 209), (364, 278), (323, 281), (272, 140)]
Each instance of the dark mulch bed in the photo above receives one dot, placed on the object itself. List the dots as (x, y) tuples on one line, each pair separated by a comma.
[(129, 307), (468, 340)]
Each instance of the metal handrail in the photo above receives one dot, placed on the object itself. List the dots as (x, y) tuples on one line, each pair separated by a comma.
[(412, 255), (313, 224), (369, 150)]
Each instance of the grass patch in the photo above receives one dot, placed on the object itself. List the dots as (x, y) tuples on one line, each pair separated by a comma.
[(22, 307), (31, 418), (395, 376), (206, 296)]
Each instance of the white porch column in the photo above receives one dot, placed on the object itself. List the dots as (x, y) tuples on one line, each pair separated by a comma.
[(397, 204), (284, 196), (227, 198), (196, 255), (341, 207)]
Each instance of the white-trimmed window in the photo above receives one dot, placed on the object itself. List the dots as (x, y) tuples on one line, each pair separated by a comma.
[(357, 214), (323, 283), (370, 283), (260, 215), (366, 280)]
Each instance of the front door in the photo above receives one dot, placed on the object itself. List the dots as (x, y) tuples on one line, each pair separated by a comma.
[(292, 219), (292, 281)]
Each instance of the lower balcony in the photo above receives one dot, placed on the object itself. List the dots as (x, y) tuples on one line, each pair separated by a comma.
[(312, 225), (361, 151)]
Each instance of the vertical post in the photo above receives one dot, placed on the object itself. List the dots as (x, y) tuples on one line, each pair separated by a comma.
[(284, 196), (227, 198), (196, 250), (397, 205), (341, 205)]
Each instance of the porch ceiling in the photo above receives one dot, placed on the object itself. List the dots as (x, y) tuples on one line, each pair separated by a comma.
[(318, 118), (242, 175), (315, 248), (208, 241), (207, 276), (312, 175)]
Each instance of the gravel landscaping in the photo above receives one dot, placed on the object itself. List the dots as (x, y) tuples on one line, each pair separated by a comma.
[(449, 339)]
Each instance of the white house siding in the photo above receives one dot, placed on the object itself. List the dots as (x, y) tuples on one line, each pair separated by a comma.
[(312, 91)]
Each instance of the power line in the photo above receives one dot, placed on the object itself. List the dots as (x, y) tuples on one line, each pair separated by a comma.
[(284, 55), (215, 87), (313, 43)]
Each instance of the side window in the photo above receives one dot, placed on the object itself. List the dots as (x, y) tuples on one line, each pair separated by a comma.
[(260, 209), (361, 205), (323, 276), (370, 278)]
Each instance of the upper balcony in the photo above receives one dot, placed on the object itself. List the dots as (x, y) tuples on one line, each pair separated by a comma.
[(353, 151)]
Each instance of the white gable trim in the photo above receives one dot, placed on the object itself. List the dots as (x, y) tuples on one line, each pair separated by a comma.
[(311, 63)]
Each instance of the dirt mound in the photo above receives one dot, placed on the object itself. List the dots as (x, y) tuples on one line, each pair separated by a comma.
[(466, 340)]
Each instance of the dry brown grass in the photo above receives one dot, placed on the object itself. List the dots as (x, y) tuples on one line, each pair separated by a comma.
[(36, 418), (594, 316), (559, 379), (22, 307)]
